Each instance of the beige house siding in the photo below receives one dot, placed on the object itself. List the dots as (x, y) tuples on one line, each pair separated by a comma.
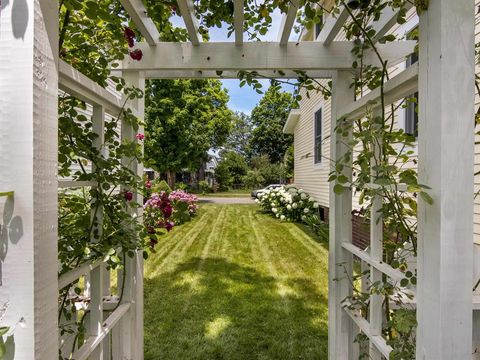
[(313, 178)]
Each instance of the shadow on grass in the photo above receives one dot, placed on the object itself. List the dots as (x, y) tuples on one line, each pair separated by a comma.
[(309, 232), (214, 309)]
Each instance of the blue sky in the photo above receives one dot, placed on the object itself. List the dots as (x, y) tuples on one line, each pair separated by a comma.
[(244, 98)]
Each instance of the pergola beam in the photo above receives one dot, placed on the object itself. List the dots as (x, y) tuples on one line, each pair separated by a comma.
[(260, 56), (288, 20), (238, 18), (332, 26), (231, 74), (187, 10), (387, 20), (137, 11)]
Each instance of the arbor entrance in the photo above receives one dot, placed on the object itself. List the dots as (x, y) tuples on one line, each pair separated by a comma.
[(31, 75)]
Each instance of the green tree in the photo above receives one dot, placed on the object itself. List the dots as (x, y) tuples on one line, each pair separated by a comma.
[(239, 138), (268, 119), (184, 119), (231, 169)]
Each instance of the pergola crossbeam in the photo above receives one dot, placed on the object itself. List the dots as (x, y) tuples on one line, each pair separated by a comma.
[(238, 18), (187, 10), (77, 84), (398, 87), (222, 56), (231, 74), (332, 26), (137, 11), (387, 20), (288, 20)]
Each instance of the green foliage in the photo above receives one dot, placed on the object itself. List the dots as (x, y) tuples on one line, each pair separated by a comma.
[(231, 169), (289, 161), (403, 322), (253, 179), (270, 173), (239, 138), (161, 185), (268, 119), (184, 119), (205, 188), (181, 186), (318, 226)]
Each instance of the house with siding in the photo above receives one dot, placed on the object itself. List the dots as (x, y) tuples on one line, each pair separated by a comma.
[(311, 122)]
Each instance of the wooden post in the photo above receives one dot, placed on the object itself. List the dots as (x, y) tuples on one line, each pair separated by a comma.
[(28, 166), (340, 327), (376, 252), (97, 275), (130, 331), (446, 149)]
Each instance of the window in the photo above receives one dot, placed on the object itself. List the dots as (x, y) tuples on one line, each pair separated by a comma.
[(318, 27), (411, 115), (411, 112), (318, 136)]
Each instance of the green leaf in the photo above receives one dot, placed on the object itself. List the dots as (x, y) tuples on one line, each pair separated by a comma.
[(338, 189), (426, 197), (4, 330)]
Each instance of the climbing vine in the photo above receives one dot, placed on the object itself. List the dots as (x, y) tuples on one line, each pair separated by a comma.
[(381, 157), (94, 35)]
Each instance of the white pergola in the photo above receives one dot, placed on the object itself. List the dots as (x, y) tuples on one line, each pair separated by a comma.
[(31, 75)]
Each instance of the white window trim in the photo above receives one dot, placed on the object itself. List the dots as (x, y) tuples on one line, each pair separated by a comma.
[(321, 164)]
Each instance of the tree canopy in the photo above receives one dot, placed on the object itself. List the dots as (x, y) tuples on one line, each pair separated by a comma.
[(239, 137), (268, 119), (184, 119)]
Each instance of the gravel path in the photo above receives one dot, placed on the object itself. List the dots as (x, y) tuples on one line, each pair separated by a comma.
[(226, 200)]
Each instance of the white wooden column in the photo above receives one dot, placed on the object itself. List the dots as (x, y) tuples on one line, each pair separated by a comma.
[(131, 329), (340, 327), (446, 148), (28, 166), (376, 253), (97, 274)]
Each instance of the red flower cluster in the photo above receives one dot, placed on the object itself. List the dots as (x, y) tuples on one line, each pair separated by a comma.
[(128, 195), (136, 54), (140, 136), (148, 184), (157, 212), (129, 35)]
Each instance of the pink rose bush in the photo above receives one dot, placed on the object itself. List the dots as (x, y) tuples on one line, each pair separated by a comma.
[(157, 213), (185, 205)]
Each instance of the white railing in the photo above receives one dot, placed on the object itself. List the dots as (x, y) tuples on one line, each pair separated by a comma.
[(119, 334)]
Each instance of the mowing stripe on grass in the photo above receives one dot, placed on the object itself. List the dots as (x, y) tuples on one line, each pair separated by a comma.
[(236, 284)]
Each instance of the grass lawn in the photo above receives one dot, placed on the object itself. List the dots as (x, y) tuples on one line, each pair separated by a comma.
[(236, 284), (230, 193)]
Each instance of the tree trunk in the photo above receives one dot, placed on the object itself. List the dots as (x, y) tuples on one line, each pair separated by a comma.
[(171, 179)]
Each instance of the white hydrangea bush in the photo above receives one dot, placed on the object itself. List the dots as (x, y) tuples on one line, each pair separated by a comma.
[(288, 203)]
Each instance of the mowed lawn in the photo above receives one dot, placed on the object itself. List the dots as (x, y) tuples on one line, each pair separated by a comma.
[(236, 284)]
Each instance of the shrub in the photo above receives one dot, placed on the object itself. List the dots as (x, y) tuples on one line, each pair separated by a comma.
[(318, 226), (157, 212), (205, 187), (181, 186), (161, 185), (184, 206), (288, 203), (253, 179)]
